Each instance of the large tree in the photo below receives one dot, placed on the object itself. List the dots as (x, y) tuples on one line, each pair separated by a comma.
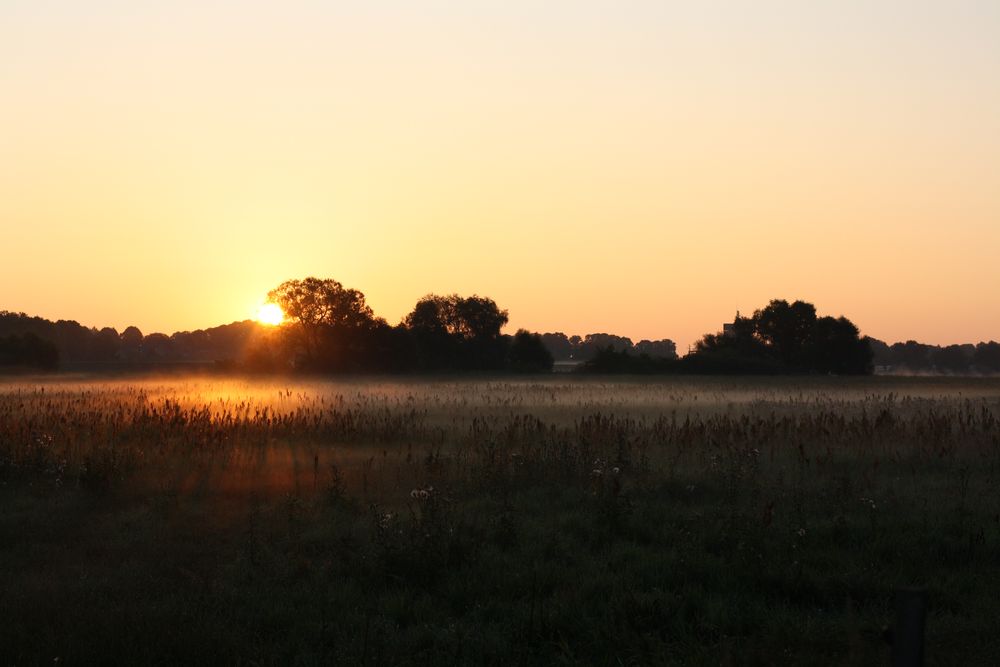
[(327, 321), (473, 317), (784, 337), (28, 351), (325, 302), (786, 328), (835, 347), (987, 357), (528, 354), (458, 332)]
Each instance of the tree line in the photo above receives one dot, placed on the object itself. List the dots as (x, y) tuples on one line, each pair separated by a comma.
[(585, 348), (70, 345), (913, 357), (28, 351), (781, 338), (330, 328)]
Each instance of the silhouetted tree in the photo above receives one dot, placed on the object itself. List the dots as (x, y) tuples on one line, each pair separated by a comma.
[(987, 357), (952, 359), (454, 332), (131, 346), (472, 317), (911, 355), (739, 342), (558, 346), (598, 342), (737, 351), (105, 345), (576, 348), (132, 337), (528, 354), (434, 346), (786, 329), (664, 349), (28, 351), (783, 338), (327, 322), (835, 347), (156, 347)]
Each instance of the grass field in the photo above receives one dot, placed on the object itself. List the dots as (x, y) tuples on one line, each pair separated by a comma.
[(495, 521)]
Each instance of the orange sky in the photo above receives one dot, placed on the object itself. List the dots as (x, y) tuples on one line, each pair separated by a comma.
[(642, 168)]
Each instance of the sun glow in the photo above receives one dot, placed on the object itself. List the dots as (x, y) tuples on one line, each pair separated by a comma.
[(270, 313)]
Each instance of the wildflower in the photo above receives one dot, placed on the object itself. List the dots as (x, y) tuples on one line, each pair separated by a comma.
[(422, 494), (801, 532), (596, 472), (616, 470)]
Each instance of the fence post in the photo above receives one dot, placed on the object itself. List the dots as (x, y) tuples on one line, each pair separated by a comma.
[(908, 632)]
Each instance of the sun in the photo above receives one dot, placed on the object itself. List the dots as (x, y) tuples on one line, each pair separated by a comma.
[(271, 314)]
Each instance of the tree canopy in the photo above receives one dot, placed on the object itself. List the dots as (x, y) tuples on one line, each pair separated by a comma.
[(327, 322), (457, 333), (331, 328), (785, 337)]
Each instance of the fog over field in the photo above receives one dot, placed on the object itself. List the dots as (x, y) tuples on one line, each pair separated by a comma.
[(575, 332), (495, 520)]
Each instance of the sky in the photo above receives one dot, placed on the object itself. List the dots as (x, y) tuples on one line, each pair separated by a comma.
[(645, 168)]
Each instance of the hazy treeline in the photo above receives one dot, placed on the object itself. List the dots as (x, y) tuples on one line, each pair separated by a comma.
[(330, 328), (584, 348), (73, 344), (914, 357), (781, 338), (28, 351)]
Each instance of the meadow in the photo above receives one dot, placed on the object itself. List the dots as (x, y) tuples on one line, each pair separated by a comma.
[(507, 521)]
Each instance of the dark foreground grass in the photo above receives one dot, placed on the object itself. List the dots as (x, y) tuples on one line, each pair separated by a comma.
[(433, 528)]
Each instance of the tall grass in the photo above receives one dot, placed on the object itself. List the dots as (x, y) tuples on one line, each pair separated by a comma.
[(688, 521)]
